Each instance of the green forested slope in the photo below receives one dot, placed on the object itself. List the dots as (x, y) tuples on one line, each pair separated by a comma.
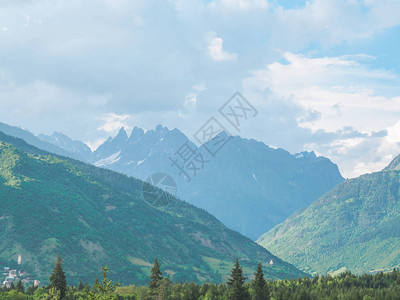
[(356, 226), (51, 205)]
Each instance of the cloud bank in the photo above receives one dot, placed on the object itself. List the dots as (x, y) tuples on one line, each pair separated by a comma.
[(324, 74)]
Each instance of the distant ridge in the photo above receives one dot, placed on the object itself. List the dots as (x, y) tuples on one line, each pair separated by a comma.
[(249, 186), (94, 216), (35, 141)]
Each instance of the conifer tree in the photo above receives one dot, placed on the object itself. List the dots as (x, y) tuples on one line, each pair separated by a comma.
[(12, 286), (261, 291), (236, 283), (58, 279), (107, 287), (20, 287), (156, 276)]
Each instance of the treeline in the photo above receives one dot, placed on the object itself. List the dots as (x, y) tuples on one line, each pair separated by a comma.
[(347, 286)]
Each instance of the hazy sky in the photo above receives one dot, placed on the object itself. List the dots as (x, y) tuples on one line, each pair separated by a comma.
[(324, 75)]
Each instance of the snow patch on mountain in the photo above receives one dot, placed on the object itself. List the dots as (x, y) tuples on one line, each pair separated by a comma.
[(108, 160)]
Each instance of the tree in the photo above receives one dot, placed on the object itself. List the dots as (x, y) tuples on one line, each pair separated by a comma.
[(104, 290), (20, 287), (164, 289), (261, 291), (58, 279), (54, 294), (238, 290), (156, 276)]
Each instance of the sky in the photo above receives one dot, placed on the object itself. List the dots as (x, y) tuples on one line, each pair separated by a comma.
[(323, 75)]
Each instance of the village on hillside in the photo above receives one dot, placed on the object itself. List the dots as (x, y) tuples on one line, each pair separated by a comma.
[(12, 276)]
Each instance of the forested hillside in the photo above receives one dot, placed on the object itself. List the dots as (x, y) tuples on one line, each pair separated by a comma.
[(353, 227), (51, 205)]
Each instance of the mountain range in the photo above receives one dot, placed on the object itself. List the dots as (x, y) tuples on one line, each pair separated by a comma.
[(249, 186), (353, 227), (314, 219), (36, 141), (60, 140), (92, 216)]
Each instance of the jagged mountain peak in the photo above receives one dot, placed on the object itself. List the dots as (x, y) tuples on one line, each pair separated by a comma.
[(306, 154), (394, 164), (64, 142), (136, 135), (36, 141), (135, 149), (122, 135), (69, 216), (161, 129), (274, 180)]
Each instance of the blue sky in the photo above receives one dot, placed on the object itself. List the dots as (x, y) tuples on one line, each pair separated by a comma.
[(324, 75)]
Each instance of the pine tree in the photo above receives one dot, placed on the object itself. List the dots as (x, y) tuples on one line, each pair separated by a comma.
[(20, 287), (107, 287), (58, 279), (164, 289), (238, 290), (156, 276), (261, 291)]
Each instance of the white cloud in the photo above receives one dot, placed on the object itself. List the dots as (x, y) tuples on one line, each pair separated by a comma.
[(112, 58), (333, 22), (113, 122), (93, 145), (43, 107), (199, 87), (243, 5), (27, 18), (217, 52), (393, 135), (191, 98), (324, 84), (348, 101)]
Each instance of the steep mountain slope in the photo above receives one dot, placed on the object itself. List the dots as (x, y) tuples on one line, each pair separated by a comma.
[(35, 141), (93, 217), (248, 186), (64, 142), (394, 164), (355, 226)]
